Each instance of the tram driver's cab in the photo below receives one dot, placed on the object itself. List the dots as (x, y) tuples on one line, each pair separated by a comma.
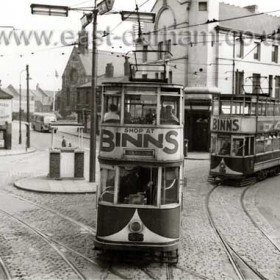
[(136, 185)]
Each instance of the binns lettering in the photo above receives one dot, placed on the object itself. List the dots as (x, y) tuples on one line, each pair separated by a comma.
[(110, 140), (228, 125)]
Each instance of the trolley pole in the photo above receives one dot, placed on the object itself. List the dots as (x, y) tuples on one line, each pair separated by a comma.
[(27, 110), (93, 115)]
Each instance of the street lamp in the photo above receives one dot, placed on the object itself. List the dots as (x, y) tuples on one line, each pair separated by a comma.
[(103, 7), (49, 10)]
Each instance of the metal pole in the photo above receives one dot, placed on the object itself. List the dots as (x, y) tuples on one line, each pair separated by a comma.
[(27, 113), (233, 65), (20, 139), (93, 122), (53, 100)]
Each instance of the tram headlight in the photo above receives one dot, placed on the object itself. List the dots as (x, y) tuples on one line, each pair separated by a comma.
[(135, 226)]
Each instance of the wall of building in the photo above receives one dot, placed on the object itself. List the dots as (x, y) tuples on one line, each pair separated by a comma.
[(264, 66)]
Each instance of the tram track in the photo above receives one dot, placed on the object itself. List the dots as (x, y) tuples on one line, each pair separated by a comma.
[(86, 228), (50, 242), (110, 269), (242, 268), (266, 236), (4, 272)]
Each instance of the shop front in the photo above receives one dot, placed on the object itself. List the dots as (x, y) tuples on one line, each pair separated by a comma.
[(5, 120)]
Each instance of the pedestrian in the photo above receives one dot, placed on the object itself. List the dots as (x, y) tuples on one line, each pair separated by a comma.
[(111, 115)]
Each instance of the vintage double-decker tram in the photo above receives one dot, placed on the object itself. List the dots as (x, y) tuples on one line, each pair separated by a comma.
[(245, 137), (141, 167)]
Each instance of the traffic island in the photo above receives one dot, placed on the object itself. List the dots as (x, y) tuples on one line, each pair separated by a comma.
[(46, 185)]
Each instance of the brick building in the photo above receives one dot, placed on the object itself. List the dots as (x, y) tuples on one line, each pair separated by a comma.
[(78, 72)]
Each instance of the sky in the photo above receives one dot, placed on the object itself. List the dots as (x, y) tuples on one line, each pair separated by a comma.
[(48, 57)]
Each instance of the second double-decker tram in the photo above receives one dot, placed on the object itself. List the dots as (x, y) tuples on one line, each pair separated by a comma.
[(141, 167), (245, 138)]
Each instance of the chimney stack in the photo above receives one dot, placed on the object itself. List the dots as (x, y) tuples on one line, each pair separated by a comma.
[(109, 71), (126, 66), (252, 8)]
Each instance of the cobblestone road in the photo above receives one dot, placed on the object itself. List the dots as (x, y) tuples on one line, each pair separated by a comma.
[(68, 221)]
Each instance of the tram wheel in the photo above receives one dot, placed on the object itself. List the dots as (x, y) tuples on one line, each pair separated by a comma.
[(261, 175)]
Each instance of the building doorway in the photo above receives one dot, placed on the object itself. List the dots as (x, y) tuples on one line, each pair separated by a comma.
[(197, 131)]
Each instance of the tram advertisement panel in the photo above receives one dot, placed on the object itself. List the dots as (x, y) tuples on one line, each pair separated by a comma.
[(141, 143), (233, 124), (268, 123)]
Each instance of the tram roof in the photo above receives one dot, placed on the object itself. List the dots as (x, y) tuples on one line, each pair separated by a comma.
[(247, 96), (134, 83)]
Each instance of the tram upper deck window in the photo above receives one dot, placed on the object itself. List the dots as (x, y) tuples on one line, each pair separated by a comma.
[(277, 109), (170, 185), (216, 108), (138, 185), (111, 109), (107, 185), (169, 111), (140, 109), (269, 109), (225, 107)]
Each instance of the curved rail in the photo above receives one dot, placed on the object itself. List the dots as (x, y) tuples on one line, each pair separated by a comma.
[(253, 221), (231, 253), (4, 271), (49, 242), (85, 227)]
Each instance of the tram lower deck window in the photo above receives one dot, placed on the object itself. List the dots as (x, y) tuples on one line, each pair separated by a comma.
[(224, 146), (138, 185), (107, 185)]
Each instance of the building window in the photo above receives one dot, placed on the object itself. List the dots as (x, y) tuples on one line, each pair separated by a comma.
[(240, 48), (68, 97), (156, 76), (168, 48), (202, 6), (257, 53), (170, 77), (270, 85), (78, 97), (274, 57), (160, 50), (145, 53), (87, 97), (277, 87), (256, 83), (239, 82)]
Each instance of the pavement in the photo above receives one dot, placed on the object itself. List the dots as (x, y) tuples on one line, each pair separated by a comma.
[(73, 186), (47, 185)]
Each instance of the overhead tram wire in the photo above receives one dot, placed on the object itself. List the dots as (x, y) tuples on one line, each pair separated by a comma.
[(213, 21)]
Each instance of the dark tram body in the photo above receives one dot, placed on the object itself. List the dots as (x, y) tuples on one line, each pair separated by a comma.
[(141, 167), (245, 137)]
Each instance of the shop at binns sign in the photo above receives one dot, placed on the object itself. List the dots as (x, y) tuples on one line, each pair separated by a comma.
[(5, 111)]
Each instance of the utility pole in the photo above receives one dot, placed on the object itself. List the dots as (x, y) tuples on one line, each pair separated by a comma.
[(233, 64), (93, 115), (27, 111), (19, 140)]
